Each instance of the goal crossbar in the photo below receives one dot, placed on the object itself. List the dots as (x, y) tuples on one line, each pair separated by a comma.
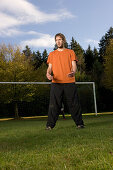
[(93, 83)]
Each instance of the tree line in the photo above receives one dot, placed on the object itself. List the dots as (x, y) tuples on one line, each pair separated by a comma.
[(16, 65)]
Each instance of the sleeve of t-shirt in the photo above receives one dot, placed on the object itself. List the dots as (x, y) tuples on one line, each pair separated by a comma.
[(73, 56), (49, 59)]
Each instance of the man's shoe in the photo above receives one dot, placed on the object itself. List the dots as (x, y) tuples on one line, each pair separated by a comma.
[(48, 128), (80, 127)]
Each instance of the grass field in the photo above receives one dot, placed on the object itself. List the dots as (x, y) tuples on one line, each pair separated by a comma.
[(25, 144)]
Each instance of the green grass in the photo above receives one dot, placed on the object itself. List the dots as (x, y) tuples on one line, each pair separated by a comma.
[(26, 145)]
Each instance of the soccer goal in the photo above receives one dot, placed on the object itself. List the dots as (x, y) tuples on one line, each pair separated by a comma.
[(27, 91), (94, 92)]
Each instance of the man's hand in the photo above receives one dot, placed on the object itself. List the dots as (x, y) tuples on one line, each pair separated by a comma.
[(49, 76), (71, 74)]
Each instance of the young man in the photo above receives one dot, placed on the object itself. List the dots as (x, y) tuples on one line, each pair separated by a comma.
[(62, 63)]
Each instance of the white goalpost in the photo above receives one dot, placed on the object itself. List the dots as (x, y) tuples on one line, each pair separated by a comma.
[(93, 84), (94, 93)]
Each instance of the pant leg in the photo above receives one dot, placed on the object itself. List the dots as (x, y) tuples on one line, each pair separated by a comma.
[(56, 93), (73, 104)]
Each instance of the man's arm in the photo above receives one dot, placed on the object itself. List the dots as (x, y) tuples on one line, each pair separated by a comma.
[(74, 66), (73, 70), (49, 71)]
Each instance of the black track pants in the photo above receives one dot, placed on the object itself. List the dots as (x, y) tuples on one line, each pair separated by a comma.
[(56, 96)]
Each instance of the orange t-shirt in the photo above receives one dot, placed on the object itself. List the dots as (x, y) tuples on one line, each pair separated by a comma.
[(61, 65)]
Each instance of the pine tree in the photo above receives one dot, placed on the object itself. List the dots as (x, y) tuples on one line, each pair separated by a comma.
[(97, 69), (95, 54), (108, 66), (44, 56), (27, 52), (89, 59), (79, 53), (72, 44), (37, 59), (104, 42)]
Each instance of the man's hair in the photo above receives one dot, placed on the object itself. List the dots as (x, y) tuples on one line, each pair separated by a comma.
[(62, 36)]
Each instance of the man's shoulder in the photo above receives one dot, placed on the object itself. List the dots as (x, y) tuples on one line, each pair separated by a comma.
[(52, 52), (69, 50), (66, 50)]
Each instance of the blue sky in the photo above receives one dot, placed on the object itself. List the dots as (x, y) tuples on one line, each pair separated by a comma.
[(35, 22)]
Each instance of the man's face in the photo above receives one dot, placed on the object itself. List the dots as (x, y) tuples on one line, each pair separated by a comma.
[(59, 42)]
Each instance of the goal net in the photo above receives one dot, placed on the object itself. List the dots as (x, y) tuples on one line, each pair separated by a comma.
[(32, 98)]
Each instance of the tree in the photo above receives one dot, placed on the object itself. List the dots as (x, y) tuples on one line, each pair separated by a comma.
[(3, 63), (97, 70), (89, 59), (95, 54), (104, 42), (108, 66), (37, 59), (80, 55), (41, 77), (44, 56), (42, 92), (27, 52), (16, 67)]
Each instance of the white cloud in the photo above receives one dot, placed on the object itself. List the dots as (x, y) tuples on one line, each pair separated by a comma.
[(21, 12), (45, 40), (33, 33), (7, 21), (13, 31), (15, 13), (94, 42), (10, 32)]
